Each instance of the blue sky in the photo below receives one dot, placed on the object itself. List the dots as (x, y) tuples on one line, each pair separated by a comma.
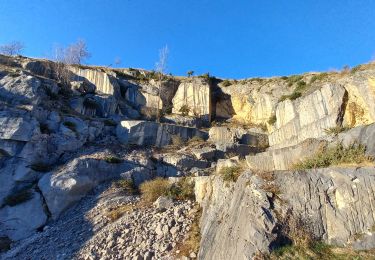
[(232, 39)]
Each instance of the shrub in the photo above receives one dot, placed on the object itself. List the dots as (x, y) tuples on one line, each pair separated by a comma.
[(195, 140), (152, 190), (231, 174), (40, 167), (272, 119), (301, 85), (109, 122), (354, 154), (185, 110), (293, 79), (113, 159), (118, 212), (18, 197), (318, 77), (226, 83), (126, 185), (190, 73), (356, 68), (182, 190), (71, 125), (336, 130), (177, 140)]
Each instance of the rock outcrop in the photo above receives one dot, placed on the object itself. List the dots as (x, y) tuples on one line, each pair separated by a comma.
[(193, 98), (151, 133), (335, 205), (309, 116)]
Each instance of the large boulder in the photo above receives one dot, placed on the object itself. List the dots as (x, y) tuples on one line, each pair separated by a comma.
[(72, 182), (21, 89), (17, 125), (22, 220), (153, 134)]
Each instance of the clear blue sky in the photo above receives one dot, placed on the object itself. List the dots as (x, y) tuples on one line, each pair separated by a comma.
[(227, 38)]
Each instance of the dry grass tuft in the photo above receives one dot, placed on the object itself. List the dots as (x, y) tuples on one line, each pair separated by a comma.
[(192, 242), (117, 213), (338, 155), (152, 190)]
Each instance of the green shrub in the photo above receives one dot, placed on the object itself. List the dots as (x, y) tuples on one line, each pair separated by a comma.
[(272, 120), (113, 159), (318, 77), (152, 190), (182, 190), (40, 167), (185, 110), (190, 73), (226, 83), (301, 86), (18, 197), (291, 80), (109, 122), (354, 154), (292, 96), (71, 125), (356, 68), (231, 174)]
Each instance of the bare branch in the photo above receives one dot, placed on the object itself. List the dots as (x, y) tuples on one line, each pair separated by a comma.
[(13, 48)]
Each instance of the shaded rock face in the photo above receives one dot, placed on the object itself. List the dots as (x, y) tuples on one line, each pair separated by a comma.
[(22, 220), (335, 205), (309, 116), (151, 133), (195, 98)]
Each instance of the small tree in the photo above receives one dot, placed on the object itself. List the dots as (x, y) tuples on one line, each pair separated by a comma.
[(11, 49), (161, 68), (76, 53), (190, 73)]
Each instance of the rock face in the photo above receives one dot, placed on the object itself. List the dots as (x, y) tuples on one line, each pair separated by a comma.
[(226, 230), (360, 109), (68, 185), (285, 158), (309, 116), (335, 205), (22, 220), (151, 133), (195, 98), (103, 82), (231, 135)]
